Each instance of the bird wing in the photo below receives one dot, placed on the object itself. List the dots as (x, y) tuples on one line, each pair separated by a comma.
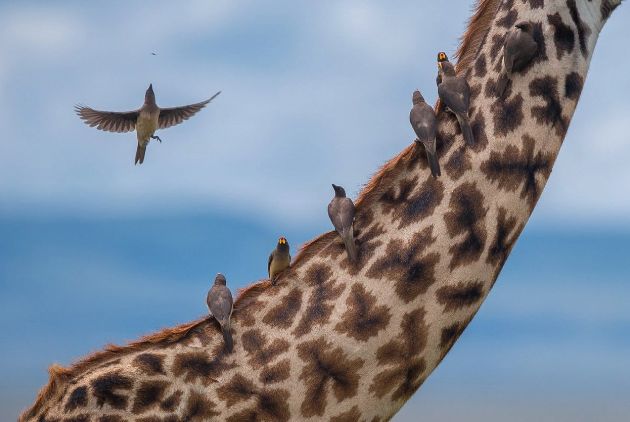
[(111, 121), (220, 303), (423, 121), (454, 94), (269, 264), (175, 115)]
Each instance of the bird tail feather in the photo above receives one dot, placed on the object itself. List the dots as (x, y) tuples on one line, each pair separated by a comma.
[(433, 164), (351, 247), (227, 337), (140, 154), (464, 124)]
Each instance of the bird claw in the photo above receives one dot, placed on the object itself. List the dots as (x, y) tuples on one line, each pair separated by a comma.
[(156, 138)]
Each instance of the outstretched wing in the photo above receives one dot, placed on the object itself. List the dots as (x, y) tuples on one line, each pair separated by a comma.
[(175, 115), (110, 121)]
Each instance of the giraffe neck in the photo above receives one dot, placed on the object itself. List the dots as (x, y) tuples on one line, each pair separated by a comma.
[(354, 341)]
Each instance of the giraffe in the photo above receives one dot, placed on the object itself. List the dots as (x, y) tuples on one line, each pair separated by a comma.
[(352, 341)]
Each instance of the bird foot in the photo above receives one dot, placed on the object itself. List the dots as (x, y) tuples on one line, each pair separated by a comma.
[(156, 138)]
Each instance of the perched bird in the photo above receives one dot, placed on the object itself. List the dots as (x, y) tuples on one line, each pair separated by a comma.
[(341, 213), (455, 95), (518, 51), (220, 305), (441, 57), (146, 120), (422, 118), (279, 259)]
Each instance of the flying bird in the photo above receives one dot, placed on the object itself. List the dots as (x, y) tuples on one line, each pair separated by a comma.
[(279, 259), (341, 213), (220, 305), (455, 95), (518, 51), (422, 119), (145, 120)]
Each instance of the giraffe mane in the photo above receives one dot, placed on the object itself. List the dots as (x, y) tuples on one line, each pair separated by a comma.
[(476, 31), (470, 44)]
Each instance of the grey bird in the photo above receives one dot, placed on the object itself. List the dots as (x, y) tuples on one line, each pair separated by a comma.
[(455, 95), (220, 305), (341, 213), (518, 51), (145, 120), (422, 119), (441, 57), (279, 259)]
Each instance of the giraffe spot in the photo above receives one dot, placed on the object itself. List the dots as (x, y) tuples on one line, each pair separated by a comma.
[(449, 336), (461, 295), (45, 418), (508, 4), (78, 398), (407, 208), (193, 366), (106, 389), (509, 19), (169, 418), (326, 368), (551, 113), (573, 85), (282, 315), (149, 363), (504, 239), (607, 8), (465, 217), (198, 408), (514, 168), (563, 36), (149, 395), (478, 126), (273, 405), (77, 418), (270, 405), (171, 402), (539, 37), (481, 67), (405, 366), (275, 373), (111, 418), (352, 415), (508, 115), (458, 163), (321, 301), (497, 45), (237, 390), (362, 319), (582, 30), (260, 350), (536, 4), (412, 268)]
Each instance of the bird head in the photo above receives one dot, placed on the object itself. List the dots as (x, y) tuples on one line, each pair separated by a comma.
[(283, 245), (417, 97), (220, 279), (149, 96), (524, 26), (339, 191), (442, 57)]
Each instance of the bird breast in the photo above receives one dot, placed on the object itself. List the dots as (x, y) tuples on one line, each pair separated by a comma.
[(146, 125)]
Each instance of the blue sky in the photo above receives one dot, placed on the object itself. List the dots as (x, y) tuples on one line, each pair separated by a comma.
[(96, 250)]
